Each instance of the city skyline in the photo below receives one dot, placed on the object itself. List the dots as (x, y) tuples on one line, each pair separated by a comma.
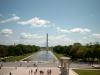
[(65, 21)]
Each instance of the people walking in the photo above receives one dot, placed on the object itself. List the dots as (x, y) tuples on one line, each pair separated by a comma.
[(10, 73), (1, 66), (35, 71), (31, 71), (41, 72), (49, 72)]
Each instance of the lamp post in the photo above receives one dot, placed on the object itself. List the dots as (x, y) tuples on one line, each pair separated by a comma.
[(64, 65)]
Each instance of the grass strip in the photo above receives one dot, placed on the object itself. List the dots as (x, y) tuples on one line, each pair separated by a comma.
[(58, 55), (17, 58), (87, 72)]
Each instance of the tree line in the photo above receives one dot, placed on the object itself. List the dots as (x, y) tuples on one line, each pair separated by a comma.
[(88, 53), (6, 51)]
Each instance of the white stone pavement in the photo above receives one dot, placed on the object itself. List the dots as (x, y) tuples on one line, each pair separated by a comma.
[(5, 70), (25, 71)]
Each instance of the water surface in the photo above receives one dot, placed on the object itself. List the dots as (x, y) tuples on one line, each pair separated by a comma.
[(42, 56)]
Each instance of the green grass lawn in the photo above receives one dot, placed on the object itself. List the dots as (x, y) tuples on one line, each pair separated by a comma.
[(17, 58), (87, 72), (58, 55)]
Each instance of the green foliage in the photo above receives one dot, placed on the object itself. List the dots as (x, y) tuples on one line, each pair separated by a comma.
[(3, 51), (6, 51), (89, 52)]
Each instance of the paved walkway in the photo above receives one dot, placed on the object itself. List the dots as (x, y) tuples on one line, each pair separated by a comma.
[(27, 71), (5, 70)]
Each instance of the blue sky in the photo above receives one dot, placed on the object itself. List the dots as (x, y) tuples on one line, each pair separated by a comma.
[(66, 21)]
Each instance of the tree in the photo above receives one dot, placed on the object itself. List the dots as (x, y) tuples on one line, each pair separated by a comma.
[(74, 50), (59, 49), (3, 51)]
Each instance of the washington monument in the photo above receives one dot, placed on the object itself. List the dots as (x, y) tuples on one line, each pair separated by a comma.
[(47, 41)]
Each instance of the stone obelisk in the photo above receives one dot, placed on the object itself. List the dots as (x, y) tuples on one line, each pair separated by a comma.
[(47, 41)]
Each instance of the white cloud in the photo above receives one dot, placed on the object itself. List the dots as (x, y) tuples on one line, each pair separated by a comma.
[(85, 38), (74, 30), (35, 22), (26, 35), (81, 30), (6, 32), (62, 30), (96, 35), (40, 40), (30, 36), (60, 40), (12, 19)]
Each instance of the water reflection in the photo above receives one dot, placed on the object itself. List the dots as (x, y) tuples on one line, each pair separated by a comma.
[(43, 56)]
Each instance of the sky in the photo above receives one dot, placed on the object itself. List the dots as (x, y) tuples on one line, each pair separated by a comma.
[(65, 21)]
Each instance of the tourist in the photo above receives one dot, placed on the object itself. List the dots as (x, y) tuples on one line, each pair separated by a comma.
[(10, 73), (31, 71), (49, 71), (41, 72), (1, 66), (35, 71), (34, 65)]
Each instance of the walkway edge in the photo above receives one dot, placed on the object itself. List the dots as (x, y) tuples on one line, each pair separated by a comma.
[(71, 72)]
